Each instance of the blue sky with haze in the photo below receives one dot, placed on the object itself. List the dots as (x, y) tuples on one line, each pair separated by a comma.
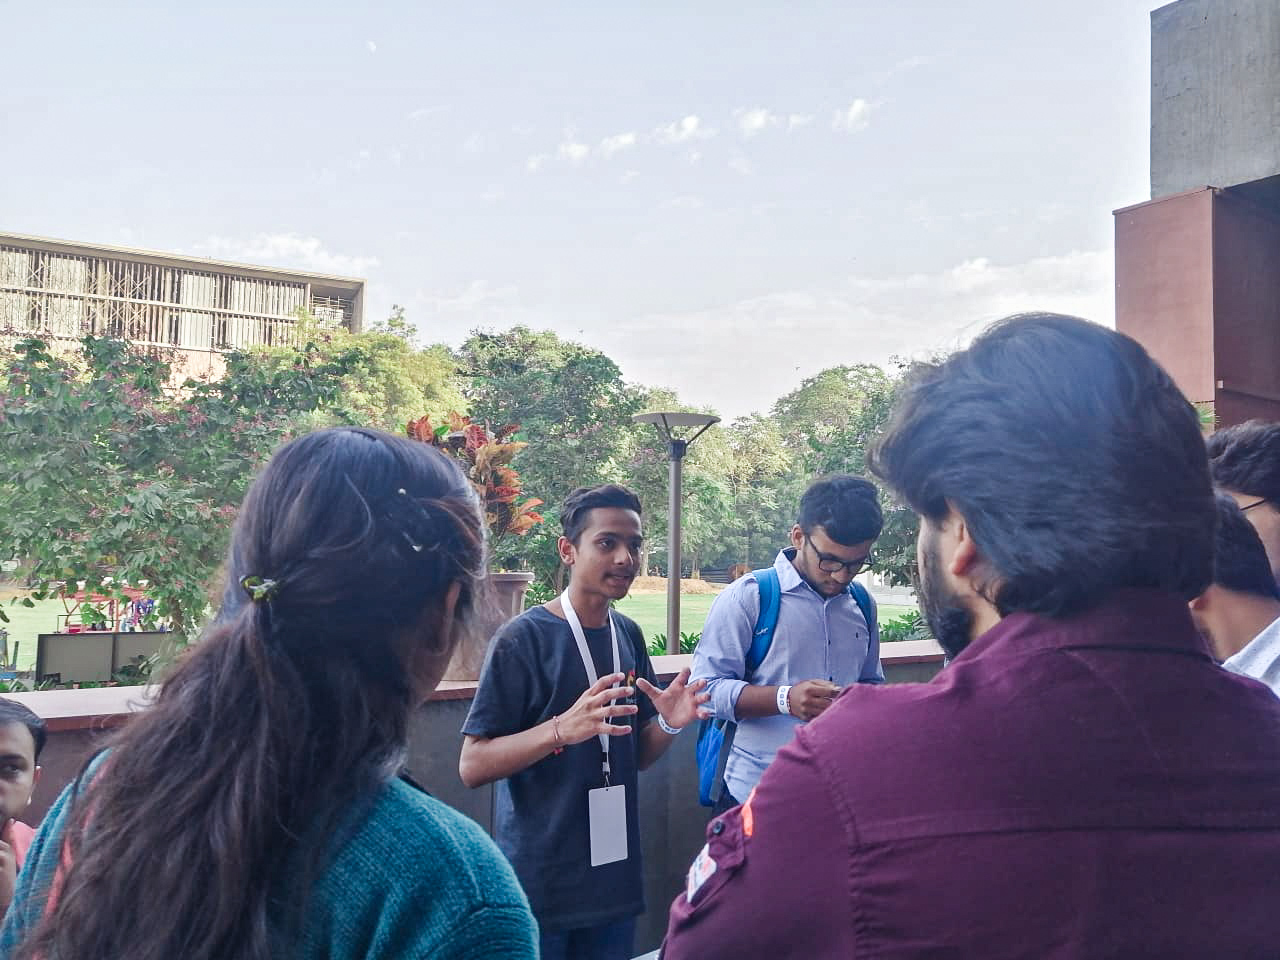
[(725, 197)]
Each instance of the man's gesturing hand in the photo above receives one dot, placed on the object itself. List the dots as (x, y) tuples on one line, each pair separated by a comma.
[(590, 716), (681, 703)]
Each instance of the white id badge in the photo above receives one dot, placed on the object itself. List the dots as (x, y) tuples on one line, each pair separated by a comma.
[(607, 811)]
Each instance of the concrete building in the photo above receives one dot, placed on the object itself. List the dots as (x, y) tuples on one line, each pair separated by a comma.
[(1198, 265), (198, 309)]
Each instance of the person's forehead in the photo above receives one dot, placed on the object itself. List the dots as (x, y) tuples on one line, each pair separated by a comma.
[(848, 552), (15, 738), (616, 520)]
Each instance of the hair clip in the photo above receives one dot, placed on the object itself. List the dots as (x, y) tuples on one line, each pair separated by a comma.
[(260, 589), (417, 547)]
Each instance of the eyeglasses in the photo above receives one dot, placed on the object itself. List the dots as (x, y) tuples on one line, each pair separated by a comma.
[(830, 564), (1256, 503)]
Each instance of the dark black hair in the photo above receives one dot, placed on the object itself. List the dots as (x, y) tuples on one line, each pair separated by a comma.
[(580, 502), (1246, 458), (11, 711), (847, 508), (1077, 465), (284, 721), (1239, 559)]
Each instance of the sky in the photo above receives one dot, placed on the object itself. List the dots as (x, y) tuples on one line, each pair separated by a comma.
[(724, 197)]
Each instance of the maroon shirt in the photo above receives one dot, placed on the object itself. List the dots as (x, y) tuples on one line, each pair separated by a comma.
[(1089, 788)]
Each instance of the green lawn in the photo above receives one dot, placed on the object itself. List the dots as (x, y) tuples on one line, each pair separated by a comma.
[(25, 622), (650, 611)]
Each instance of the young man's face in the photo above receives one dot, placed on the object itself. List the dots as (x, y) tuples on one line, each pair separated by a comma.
[(815, 550), (606, 558), (18, 770), (1265, 517)]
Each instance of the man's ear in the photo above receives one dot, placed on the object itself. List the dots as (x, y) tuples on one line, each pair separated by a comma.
[(964, 554), (797, 536), (1198, 604), (568, 552)]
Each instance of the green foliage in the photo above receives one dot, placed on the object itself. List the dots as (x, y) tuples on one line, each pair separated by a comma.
[(909, 626), (573, 408), (387, 380), (115, 479), (657, 646), (843, 449)]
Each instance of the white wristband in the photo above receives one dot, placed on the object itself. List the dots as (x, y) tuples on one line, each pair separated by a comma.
[(784, 699), (668, 728)]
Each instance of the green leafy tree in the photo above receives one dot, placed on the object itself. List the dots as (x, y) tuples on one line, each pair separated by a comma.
[(844, 450), (573, 409), (389, 381), (114, 478), (760, 481)]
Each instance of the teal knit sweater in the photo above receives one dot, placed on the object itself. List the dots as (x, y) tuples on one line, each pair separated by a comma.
[(415, 880)]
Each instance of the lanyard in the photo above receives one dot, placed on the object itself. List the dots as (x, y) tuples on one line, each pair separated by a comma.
[(584, 651)]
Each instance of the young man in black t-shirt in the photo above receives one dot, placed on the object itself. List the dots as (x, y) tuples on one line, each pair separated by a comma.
[(557, 722)]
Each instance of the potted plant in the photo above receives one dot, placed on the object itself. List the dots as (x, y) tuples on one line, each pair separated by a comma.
[(485, 457)]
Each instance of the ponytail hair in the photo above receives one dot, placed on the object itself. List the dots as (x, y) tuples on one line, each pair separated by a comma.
[(209, 820)]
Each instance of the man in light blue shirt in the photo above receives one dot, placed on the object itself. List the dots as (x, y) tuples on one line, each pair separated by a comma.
[(822, 641), (1239, 613)]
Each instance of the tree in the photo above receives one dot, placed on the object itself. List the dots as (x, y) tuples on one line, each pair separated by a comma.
[(572, 407), (389, 381), (844, 450), (827, 405), (113, 478), (760, 468)]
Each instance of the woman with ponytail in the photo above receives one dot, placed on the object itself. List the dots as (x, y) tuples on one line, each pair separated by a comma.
[(256, 810)]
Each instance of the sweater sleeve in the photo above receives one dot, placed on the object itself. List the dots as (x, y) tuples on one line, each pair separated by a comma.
[(491, 933)]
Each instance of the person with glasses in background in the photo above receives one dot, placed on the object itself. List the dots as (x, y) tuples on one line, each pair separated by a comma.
[(824, 638)]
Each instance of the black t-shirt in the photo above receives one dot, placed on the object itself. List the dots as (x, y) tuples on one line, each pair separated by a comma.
[(533, 670)]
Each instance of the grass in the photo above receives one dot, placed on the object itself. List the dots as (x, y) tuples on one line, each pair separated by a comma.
[(26, 622), (650, 611)]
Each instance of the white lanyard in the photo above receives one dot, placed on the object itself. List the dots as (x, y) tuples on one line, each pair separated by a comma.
[(584, 651)]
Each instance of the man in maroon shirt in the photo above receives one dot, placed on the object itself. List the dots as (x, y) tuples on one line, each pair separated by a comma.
[(1082, 780)]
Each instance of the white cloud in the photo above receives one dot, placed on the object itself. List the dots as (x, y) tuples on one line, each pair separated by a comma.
[(573, 151), (695, 156), (536, 162), (683, 203), (862, 318), (371, 46), (797, 120), (853, 118), (396, 156), (685, 129), (493, 194), (420, 113), (741, 165), (288, 250), (901, 67), (628, 176), (756, 120), (474, 143), (617, 143)]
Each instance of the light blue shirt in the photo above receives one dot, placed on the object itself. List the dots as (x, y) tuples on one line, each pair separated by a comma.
[(816, 639), (1260, 658)]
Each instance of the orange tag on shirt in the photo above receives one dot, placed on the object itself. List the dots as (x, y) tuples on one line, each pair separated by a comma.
[(748, 819)]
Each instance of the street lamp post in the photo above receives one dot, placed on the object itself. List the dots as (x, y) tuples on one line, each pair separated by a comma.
[(668, 424)]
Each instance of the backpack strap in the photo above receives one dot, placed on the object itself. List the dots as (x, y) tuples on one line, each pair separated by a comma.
[(863, 599), (767, 620)]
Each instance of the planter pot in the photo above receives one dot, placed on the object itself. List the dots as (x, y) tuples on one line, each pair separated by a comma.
[(505, 600)]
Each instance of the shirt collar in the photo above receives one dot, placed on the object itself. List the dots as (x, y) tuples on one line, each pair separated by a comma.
[(788, 576), (1130, 618), (1258, 654)]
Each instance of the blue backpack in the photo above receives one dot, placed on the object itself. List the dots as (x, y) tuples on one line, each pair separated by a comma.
[(715, 736)]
